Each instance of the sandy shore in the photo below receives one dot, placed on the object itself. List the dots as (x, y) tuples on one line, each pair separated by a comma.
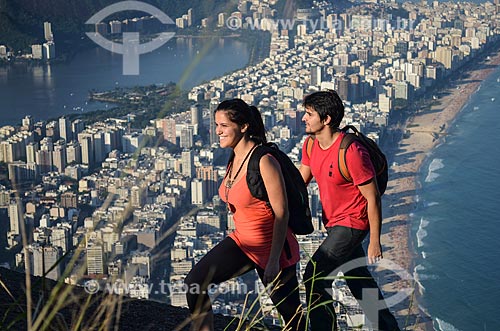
[(424, 131)]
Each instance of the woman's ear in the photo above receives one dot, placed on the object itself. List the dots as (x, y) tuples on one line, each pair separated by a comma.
[(244, 128)]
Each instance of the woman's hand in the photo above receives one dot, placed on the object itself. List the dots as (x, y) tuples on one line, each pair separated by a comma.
[(271, 272)]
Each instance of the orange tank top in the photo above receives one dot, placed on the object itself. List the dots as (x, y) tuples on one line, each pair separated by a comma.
[(254, 223)]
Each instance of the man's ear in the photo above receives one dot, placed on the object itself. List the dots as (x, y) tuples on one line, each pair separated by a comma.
[(327, 120)]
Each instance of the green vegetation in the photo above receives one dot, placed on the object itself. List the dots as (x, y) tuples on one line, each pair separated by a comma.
[(144, 103)]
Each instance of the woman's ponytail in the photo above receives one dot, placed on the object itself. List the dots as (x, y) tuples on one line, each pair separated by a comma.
[(257, 130)]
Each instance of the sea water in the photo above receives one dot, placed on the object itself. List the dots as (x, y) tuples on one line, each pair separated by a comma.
[(456, 226)]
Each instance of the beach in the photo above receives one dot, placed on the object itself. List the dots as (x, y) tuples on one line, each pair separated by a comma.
[(419, 134)]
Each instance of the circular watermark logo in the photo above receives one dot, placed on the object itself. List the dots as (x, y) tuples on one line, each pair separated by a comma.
[(234, 23), (91, 286), (131, 47)]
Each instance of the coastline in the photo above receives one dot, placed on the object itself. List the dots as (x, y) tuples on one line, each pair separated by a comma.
[(424, 130)]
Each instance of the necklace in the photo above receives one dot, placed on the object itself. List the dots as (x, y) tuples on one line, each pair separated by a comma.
[(229, 181)]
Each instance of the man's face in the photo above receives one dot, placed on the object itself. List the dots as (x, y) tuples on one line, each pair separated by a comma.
[(313, 123)]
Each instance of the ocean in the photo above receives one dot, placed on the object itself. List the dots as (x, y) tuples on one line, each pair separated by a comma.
[(456, 226)]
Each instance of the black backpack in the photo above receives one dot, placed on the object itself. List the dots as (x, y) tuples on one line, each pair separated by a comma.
[(377, 157), (298, 199)]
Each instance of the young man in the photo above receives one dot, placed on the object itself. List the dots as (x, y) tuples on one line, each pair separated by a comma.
[(351, 210)]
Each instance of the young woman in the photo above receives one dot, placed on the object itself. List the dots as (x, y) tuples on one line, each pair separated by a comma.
[(261, 230)]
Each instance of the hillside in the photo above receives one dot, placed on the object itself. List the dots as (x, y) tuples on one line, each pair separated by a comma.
[(131, 315)]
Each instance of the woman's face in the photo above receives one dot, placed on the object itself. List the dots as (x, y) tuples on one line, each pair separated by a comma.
[(230, 133)]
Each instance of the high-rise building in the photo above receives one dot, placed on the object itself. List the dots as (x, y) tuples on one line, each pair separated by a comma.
[(87, 149), (99, 148), (95, 258), (444, 55), (37, 52), (68, 200), (20, 172), (343, 88), (31, 150), (136, 197), (301, 30), (115, 27), (65, 129), (52, 130), (221, 20), (15, 216), (132, 142), (198, 193), (3, 52), (316, 76), (188, 168), (49, 50), (60, 238), (47, 31), (213, 130), (77, 126), (44, 161), (101, 28), (28, 122), (186, 140), (207, 222), (112, 139), (44, 258), (59, 156), (190, 17), (384, 103), (168, 127), (402, 90), (210, 180), (73, 152), (197, 116), (180, 22)]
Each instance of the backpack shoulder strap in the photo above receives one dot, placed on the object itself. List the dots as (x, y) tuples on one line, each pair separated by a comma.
[(254, 178), (309, 145), (347, 140)]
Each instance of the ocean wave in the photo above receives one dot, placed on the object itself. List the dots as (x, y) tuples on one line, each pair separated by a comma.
[(418, 268), (444, 326), (422, 308), (424, 255), (417, 278), (430, 204), (435, 165), (421, 232)]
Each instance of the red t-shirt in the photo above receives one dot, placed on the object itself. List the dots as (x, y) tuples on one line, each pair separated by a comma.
[(254, 223), (342, 202)]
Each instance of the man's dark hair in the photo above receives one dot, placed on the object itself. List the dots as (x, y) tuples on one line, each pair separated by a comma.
[(326, 103)]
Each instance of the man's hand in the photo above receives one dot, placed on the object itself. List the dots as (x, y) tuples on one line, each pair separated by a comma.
[(374, 252)]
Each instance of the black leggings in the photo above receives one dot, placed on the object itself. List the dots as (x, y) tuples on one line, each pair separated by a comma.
[(225, 261)]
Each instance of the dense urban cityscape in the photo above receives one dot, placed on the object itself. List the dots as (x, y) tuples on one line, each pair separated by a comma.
[(101, 203)]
